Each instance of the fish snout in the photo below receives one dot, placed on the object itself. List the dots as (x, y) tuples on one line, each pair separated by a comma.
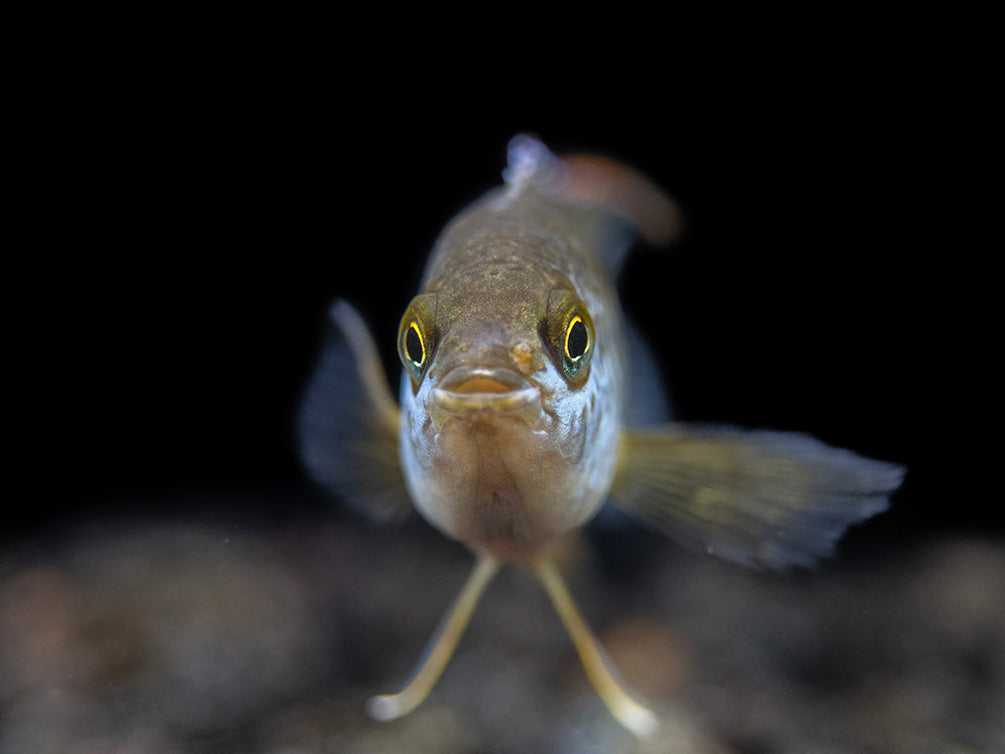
[(479, 389)]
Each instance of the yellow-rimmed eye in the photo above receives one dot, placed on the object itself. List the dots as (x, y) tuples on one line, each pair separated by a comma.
[(417, 336), (414, 345), (568, 329), (577, 339)]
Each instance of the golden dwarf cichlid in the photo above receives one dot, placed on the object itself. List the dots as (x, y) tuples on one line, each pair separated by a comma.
[(520, 398)]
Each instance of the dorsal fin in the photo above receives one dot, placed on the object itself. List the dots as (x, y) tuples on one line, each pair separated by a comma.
[(596, 180)]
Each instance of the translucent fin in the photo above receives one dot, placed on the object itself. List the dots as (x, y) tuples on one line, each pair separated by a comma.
[(440, 648), (595, 180), (348, 423), (646, 404), (756, 498), (647, 401), (528, 161), (624, 192), (602, 674)]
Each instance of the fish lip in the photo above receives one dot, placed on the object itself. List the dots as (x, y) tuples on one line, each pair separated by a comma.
[(514, 390)]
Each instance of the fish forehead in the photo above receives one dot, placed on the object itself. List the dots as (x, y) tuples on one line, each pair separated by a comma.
[(494, 268), (513, 285), (494, 306), (531, 231)]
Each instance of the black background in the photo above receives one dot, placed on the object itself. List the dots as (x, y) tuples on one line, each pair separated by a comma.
[(191, 219)]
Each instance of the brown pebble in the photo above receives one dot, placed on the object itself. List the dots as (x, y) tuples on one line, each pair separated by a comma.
[(652, 658)]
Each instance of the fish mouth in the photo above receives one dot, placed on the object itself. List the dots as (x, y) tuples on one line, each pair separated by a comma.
[(465, 389)]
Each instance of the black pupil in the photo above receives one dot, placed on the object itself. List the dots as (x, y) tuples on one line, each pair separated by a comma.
[(413, 345), (578, 340)]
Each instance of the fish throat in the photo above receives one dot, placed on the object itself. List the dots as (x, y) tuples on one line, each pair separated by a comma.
[(505, 464)]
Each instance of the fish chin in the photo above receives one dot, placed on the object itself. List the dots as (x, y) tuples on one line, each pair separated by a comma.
[(488, 465)]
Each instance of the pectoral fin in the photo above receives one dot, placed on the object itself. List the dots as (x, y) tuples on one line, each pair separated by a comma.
[(757, 498), (349, 422), (647, 403)]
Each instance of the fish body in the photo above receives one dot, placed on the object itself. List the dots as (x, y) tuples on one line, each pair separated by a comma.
[(512, 429), (503, 447)]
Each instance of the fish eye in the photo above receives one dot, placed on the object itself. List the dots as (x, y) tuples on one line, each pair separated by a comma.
[(568, 329), (415, 348), (577, 339), (417, 337)]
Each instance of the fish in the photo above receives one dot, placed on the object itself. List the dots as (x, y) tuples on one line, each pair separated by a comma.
[(528, 403)]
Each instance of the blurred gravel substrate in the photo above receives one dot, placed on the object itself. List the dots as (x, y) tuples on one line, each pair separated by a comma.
[(164, 638)]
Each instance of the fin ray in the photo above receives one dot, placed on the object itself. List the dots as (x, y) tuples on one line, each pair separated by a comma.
[(646, 402), (348, 422), (758, 498)]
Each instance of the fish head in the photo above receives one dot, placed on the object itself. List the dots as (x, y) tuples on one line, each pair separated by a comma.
[(509, 407)]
